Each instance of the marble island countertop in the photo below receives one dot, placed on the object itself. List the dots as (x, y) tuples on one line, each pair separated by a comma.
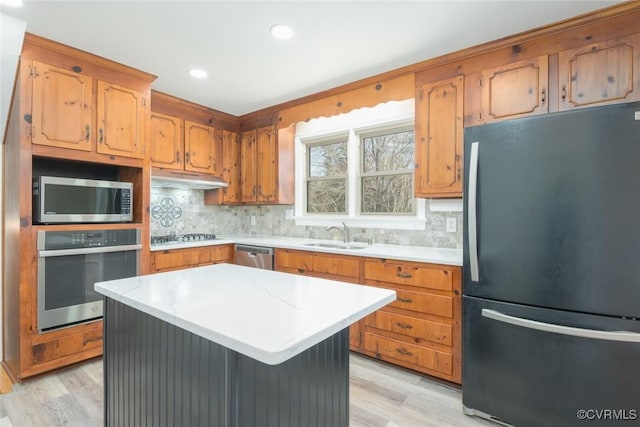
[(377, 250), (267, 315)]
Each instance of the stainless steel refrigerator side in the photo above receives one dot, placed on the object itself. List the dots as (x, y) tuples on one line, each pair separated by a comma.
[(551, 326)]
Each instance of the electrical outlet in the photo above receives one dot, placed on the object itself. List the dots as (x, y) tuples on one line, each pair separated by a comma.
[(253, 220), (451, 225)]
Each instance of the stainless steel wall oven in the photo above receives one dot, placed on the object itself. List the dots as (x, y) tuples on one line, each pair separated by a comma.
[(70, 262)]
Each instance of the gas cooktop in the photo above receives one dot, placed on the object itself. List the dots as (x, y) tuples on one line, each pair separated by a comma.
[(179, 238)]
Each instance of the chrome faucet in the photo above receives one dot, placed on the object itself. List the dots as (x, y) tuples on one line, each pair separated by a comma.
[(345, 231)]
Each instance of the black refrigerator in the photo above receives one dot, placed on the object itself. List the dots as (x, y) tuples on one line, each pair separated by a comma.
[(551, 293)]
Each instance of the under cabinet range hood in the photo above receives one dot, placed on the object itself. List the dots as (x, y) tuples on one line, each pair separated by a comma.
[(185, 180)]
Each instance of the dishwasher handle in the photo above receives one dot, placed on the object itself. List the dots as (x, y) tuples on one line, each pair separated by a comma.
[(254, 250)]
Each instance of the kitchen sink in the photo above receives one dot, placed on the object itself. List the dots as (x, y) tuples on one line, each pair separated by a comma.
[(339, 245)]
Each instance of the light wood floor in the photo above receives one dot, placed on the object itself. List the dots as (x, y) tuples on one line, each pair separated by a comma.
[(381, 396)]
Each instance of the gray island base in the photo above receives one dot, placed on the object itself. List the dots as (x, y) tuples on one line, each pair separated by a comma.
[(157, 374)]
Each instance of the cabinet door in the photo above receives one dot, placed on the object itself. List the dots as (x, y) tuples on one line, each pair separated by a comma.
[(231, 166), (439, 139), (199, 148), (515, 90), (267, 167), (248, 156), (166, 144), (62, 105), (121, 117), (600, 73)]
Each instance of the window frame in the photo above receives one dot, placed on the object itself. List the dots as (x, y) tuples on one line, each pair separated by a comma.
[(363, 121), (378, 131), (334, 139)]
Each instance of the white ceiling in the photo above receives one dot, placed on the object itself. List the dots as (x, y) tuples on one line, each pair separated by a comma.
[(336, 42)]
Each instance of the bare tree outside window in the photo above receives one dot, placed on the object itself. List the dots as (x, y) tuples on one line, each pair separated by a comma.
[(387, 173), (327, 178)]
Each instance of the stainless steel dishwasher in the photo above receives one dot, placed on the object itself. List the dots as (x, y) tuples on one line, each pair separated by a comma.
[(254, 256)]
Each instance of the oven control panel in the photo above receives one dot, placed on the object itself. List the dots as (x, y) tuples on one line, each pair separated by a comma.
[(88, 238)]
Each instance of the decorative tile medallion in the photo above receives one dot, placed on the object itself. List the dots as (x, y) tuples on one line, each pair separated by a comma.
[(166, 212)]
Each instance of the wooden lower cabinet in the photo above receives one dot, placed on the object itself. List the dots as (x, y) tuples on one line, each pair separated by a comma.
[(175, 259), (327, 266), (420, 330)]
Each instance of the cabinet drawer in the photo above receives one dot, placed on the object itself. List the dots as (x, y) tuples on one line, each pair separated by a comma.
[(65, 346), (409, 274), (413, 327), (302, 261), (384, 347), (421, 302), (336, 265), (181, 258)]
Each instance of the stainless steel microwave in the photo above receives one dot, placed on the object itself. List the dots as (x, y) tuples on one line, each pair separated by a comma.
[(71, 200)]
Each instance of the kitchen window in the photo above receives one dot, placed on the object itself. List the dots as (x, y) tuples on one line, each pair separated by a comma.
[(386, 172), (358, 168)]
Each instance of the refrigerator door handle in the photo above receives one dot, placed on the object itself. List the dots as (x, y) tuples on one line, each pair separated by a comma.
[(471, 207), (623, 336)]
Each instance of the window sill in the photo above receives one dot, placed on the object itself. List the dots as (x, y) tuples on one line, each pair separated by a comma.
[(386, 222)]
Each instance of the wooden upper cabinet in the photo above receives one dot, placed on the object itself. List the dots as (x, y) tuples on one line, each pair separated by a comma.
[(600, 73), (267, 166), (121, 121), (231, 166), (62, 107), (516, 90), (199, 148), (166, 142), (248, 161), (439, 139)]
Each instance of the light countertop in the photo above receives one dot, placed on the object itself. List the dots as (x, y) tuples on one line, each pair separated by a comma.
[(377, 250), (267, 315)]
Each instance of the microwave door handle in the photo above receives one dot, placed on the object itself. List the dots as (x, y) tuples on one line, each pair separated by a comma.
[(85, 251)]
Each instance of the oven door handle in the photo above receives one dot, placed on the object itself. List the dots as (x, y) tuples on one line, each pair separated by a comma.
[(85, 251)]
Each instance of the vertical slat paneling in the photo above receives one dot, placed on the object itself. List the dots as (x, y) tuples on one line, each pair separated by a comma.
[(159, 375), (310, 389)]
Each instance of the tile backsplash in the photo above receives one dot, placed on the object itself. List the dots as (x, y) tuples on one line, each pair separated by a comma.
[(177, 211)]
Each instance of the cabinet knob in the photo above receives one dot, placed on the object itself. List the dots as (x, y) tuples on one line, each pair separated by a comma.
[(543, 96), (177, 156), (87, 132), (100, 136), (563, 93)]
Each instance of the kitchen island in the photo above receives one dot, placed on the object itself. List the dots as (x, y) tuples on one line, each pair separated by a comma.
[(226, 345)]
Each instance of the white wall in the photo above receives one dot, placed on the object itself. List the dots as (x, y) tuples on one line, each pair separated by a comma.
[(11, 37)]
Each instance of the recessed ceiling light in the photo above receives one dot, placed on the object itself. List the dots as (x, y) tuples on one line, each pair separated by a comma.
[(281, 31), (11, 3), (198, 73)]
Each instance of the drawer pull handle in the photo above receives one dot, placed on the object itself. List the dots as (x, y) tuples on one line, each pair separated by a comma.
[(407, 300), (404, 275), (404, 352), (301, 270), (404, 325), (88, 340)]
